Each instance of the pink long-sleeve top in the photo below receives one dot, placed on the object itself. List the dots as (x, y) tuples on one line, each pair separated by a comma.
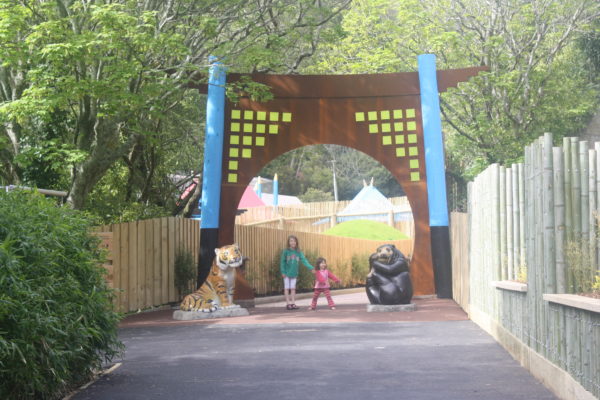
[(322, 278)]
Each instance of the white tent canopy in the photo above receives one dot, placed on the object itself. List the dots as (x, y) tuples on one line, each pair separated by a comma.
[(370, 204)]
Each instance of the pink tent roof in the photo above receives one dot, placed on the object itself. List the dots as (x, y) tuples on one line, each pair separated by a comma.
[(250, 199)]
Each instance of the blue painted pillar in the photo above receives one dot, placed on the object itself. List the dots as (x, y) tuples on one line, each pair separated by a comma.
[(211, 173), (436, 176)]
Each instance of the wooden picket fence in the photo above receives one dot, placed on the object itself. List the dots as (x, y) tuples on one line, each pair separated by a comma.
[(142, 259), (264, 245), (302, 218), (141, 262)]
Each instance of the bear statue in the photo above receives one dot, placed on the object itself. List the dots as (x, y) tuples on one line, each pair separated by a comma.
[(388, 281)]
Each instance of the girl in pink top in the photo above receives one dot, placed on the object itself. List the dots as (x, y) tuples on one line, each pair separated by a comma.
[(322, 275)]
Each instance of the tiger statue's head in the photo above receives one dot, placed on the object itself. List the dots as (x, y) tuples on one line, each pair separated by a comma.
[(228, 256)]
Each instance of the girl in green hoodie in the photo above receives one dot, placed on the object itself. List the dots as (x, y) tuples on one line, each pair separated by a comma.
[(290, 260)]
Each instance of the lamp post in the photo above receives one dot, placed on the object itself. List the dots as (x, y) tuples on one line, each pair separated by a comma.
[(335, 192)]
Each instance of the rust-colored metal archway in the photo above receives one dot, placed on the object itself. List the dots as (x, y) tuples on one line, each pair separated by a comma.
[(379, 115)]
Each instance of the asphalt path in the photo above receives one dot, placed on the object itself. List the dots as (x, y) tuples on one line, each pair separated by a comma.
[(423, 360)]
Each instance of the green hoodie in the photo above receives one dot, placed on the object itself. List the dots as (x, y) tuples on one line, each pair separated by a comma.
[(290, 259)]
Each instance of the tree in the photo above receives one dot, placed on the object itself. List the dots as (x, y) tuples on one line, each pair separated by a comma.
[(120, 70), (534, 84)]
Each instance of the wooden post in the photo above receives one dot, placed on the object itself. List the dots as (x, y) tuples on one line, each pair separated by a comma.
[(548, 217)]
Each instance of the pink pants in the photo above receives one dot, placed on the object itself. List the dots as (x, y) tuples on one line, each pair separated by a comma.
[(316, 295)]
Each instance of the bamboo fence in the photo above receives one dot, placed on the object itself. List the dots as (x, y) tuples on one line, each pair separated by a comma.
[(522, 222)]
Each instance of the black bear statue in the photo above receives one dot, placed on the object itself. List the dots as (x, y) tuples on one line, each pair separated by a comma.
[(388, 281)]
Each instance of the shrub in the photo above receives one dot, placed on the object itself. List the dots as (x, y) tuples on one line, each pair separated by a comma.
[(578, 257), (185, 272), (57, 324), (360, 268)]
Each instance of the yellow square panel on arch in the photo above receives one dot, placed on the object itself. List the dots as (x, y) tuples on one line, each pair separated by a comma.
[(248, 114), (232, 178), (236, 114), (260, 141), (286, 117), (246, 153), (261, 115), (415, 176)]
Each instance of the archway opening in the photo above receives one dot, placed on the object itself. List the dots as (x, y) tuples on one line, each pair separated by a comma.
[(262, 226)]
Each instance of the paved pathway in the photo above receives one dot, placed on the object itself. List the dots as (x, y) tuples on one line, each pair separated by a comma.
[(430, 354)]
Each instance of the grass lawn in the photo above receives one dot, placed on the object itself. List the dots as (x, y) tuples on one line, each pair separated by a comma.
[(366, 229)]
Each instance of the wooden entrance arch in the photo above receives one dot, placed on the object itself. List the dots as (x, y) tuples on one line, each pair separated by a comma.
[(380, 115)]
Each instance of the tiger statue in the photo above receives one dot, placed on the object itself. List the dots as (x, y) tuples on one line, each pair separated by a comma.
[(217, 291)]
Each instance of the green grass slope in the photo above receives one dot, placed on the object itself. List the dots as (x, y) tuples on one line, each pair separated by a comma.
[(366, 229)]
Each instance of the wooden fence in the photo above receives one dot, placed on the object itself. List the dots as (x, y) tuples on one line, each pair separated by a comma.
[(459, 236), (141, 263), (264, 245), (142, 255), (302, 218), (521, 221)]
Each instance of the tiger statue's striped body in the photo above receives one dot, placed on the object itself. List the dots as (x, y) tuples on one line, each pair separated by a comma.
[(217, 291)]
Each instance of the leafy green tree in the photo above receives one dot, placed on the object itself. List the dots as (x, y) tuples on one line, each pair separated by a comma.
[(120, 71), (535, 82)]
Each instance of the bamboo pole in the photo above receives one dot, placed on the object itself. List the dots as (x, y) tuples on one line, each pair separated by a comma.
[(576, 187), (548, 217), (522, 256), (585, 194), (567, 165), (509, 224), (592, 209), (596, 210), (502, 221), (516, 227), (559, 218)]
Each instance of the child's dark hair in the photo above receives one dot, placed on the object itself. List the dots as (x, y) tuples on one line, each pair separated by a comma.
[(296, 239), (318, 263)]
